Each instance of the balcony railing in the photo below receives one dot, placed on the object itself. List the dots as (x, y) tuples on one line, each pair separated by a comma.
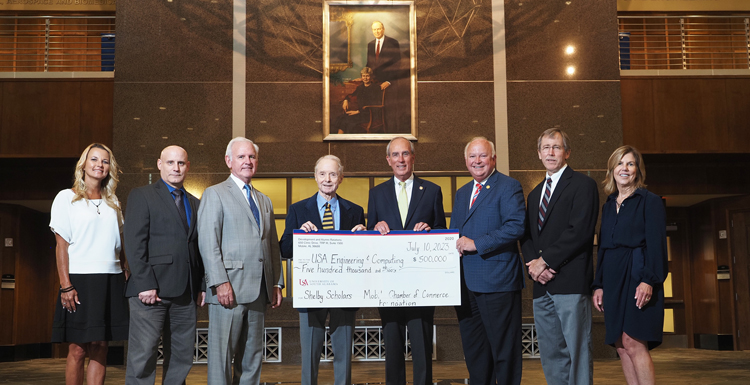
[(57, 43), (684, 42)]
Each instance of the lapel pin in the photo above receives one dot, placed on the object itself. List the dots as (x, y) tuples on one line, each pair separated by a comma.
[(488, 187), (421, 187)]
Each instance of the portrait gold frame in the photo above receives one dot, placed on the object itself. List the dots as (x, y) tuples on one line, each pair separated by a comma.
[(332, 12)]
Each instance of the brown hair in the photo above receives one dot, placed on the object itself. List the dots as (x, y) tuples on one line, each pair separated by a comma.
[(609, 183)]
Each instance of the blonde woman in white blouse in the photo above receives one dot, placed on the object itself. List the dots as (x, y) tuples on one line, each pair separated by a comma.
[(91, 308)]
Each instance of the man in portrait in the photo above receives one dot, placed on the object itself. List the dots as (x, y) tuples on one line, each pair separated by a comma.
[(384, 57), (166, 283), (240, 251), (406, 202), (558, 249)]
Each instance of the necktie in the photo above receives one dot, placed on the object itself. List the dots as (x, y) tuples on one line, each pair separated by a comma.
[(253, 206), (180, 207), (543, 206), (377, 49), (476, 194), (328, 218), (403, 203)]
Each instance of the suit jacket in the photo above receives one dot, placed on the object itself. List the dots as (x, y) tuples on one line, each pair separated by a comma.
[(387, 66), (495, 223), (566, 241), (233, 247), (305, 210), (426, 205), (161, 255)]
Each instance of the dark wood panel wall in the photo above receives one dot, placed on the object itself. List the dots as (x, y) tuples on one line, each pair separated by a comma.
[(28, 309), (686, 114), (54, 118)]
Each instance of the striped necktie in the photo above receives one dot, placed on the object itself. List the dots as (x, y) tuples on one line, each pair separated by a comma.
[(328, 218), (543, 206), (476, 194)]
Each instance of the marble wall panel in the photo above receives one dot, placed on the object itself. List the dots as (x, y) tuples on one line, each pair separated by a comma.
[(538, 32), (285, 120), (284, 40), (454, 40), (151, 116), (174, 41), (588, 111), (450, 114)]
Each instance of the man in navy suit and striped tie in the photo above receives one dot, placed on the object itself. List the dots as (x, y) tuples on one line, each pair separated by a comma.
[(489, 214), (325, 210)]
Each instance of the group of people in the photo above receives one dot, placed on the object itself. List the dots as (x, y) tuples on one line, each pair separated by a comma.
[(223, 251)]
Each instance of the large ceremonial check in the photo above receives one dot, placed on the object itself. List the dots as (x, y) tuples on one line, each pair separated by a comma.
[(367, 269)]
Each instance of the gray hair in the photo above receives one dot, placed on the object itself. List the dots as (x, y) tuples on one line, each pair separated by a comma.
[(388, 148), (550, 133), (333, 158), (238, 140), (475, 139)]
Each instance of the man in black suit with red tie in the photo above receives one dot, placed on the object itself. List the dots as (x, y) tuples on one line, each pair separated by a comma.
[(384, 57), (406, 202)]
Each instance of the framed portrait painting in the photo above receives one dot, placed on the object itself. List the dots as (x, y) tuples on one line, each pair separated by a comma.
[(369, 70)]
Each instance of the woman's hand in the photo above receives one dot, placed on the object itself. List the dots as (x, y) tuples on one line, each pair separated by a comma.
[(70, 300), (642, 294), (597, 299)]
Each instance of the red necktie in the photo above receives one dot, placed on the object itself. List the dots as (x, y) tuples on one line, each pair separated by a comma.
[(476, 194), (377, 49)]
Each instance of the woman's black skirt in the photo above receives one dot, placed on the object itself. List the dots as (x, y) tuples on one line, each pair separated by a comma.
[(102, 314)]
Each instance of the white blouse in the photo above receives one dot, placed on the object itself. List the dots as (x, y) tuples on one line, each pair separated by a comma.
[(94, 238)]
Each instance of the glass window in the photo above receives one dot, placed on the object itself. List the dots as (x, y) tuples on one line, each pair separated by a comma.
[(274, 188), (356, 190), (303, 188), (445, 184)]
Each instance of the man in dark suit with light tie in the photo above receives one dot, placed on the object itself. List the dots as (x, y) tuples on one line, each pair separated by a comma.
[(166, 279), (558, 248), (240, 251), (406, 202), (325, 210), (489, 215), (384, 57)]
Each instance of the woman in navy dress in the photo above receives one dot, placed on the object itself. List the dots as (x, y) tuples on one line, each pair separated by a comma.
[(632, 265)]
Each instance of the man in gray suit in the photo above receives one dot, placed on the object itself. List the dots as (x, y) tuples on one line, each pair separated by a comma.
[(161, 243), (240, 251)]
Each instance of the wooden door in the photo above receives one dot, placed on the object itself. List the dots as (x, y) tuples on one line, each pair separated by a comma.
[(741, 260)]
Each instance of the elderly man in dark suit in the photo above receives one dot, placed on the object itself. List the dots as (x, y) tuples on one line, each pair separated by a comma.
[(325, 210), (406, 202), (166, 279), (384, 57), (240, 251), (558, 248), (489, 215)]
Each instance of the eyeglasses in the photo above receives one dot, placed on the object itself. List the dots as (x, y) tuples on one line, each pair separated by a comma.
[(548, 148)]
